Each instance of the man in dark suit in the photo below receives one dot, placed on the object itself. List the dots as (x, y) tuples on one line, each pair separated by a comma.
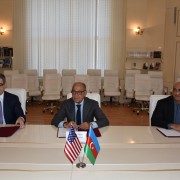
[(10, 106), (167, 111), (89, 109)]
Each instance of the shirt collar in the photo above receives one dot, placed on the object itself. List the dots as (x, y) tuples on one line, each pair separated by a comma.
[(81, 103), (2, 96)]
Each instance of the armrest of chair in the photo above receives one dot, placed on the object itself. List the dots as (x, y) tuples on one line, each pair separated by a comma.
[(165, 90)]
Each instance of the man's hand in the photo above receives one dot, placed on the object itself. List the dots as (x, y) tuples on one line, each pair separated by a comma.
[(175, 127), (20, 122), (85, 125), (69, 124)]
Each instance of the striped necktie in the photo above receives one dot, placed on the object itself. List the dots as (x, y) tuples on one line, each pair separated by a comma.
[(1, 114)]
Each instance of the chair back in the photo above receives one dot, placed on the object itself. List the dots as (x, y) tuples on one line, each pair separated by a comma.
[(68, 72), (94, 80), (156, 78), (67, 80), (129, 82), (152, 104), (94, 72), (49, 71), (8, 74), (178, 79), (52, 84), (82, 78), (21, 93), (142, 87), (111, 83), (19, 81), (33, 82)]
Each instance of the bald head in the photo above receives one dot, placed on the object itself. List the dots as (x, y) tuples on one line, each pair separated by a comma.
[(78, 92)]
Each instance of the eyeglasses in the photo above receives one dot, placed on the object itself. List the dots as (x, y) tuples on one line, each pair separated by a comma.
[(77, 92), (176, 90)]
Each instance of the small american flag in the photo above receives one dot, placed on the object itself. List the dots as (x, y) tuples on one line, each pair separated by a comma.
[(73, 146)]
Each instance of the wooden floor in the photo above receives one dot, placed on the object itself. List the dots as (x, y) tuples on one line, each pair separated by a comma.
[(118, 115)]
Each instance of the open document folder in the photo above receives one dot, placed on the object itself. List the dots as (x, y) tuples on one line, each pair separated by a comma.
[(169, 132), (62, 132), (8, 130)]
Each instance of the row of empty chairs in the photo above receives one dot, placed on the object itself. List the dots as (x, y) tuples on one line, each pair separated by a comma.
[(28, 80), (139, 87), (56, 85), (111, 83)]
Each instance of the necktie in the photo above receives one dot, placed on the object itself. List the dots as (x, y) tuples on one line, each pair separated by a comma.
[(177, 120), (78, 114), (1, 114)]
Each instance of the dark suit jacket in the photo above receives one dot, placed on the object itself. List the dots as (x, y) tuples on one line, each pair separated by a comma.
[(12, 108), (91, 109), (163, 113)]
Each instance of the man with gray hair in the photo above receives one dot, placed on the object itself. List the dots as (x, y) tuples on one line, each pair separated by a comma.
[(80, 111)]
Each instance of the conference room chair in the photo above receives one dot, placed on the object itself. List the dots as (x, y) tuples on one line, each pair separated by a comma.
[(130, 85), (156, 78), (51, 92), (48, 71), (152, 104), (33, 84), (111, 85), (20, 81), (21, 93), (142, 92), (8, 74), (82, 78), (178, 79), (67, 80), (94, 80)]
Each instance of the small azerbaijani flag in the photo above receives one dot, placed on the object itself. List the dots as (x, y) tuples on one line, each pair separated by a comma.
[(73, 146), (92, 147)]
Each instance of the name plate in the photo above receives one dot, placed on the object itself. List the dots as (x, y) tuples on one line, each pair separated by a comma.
[(82, 136)]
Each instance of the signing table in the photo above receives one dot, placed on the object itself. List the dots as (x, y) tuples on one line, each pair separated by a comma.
[(127, 152)]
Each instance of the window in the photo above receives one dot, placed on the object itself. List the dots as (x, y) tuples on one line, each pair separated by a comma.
[(61, 34)]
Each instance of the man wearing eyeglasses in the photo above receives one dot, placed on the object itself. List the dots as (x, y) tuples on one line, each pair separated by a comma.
[(10, 106), (80, 111), (167, 111)]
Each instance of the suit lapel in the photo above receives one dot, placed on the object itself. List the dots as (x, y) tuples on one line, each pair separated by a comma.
[(85, 110), (72, 110), (171, 109)]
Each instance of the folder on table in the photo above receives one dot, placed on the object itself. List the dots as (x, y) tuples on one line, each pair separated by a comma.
[(169, 132), (6, 131)]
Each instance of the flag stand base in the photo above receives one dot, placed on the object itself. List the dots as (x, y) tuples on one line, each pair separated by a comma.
[(81, 165)]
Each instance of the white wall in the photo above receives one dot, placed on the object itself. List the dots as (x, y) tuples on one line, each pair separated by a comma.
[(150, 16), (6, 19)]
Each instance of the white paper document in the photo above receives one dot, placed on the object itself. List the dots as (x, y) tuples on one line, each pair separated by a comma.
[(63, 133), (169, 132)]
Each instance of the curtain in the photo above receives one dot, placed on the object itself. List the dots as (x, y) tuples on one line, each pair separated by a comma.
[(63, 34)]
